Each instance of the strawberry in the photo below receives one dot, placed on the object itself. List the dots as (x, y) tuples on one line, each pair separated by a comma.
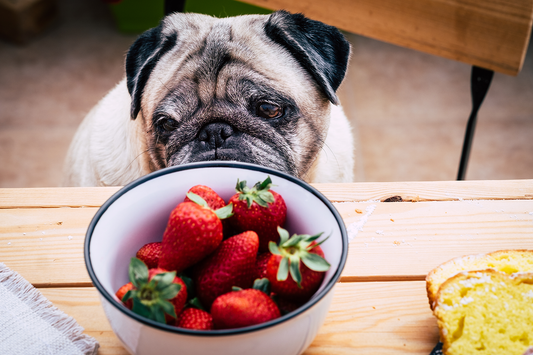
[(193, 231), (122, 292), (259, 209), (149, 254), (232, 264), (213, 200), (194, 318), (156, 294), (261, 264), (243, 308), (306, 276)]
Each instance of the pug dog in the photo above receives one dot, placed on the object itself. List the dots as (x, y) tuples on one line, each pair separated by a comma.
[(255, 88)]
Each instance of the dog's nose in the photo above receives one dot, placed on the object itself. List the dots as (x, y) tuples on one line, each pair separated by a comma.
[(215, 134)]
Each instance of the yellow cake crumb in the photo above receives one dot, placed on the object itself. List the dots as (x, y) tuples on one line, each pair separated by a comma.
[(486, 312)]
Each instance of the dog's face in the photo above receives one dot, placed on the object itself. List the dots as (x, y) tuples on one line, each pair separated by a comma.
[(252, 88)]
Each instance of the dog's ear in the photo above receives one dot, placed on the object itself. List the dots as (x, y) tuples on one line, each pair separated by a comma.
[(321, 49), (141, 60)]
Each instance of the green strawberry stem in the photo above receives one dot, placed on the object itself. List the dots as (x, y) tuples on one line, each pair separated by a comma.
[(188, 284), (195, 303), (262, 285), (150, 298), (259, 194), (259, 284), (222, 213), (295, 249)]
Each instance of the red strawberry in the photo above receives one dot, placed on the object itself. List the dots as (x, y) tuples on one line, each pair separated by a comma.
[(258, 209), (149, 254), (194, 318), (232, 264), (214, 201), (156, 294), (192, 233), (243, 308), (261, 264), (306, 276), (122, 291)]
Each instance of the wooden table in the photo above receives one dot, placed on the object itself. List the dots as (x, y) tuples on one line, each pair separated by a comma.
[(380, 305)]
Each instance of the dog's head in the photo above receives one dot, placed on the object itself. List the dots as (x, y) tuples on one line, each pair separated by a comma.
[(251, 88)]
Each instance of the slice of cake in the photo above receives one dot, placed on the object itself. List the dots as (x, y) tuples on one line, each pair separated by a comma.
[(507, 261), (486, 312)]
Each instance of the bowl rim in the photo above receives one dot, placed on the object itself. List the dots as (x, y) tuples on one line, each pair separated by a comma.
[(220, 332)]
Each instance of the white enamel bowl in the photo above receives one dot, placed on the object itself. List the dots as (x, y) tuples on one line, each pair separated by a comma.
[(138, 213)]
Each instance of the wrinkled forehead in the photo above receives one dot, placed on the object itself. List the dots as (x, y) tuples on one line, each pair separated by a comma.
[(209, 51)]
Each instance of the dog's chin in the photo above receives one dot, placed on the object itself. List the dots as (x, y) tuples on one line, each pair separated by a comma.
[(221, 154), (233, 155)]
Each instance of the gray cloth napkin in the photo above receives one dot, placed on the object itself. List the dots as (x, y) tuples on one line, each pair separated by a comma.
[(31, 325)]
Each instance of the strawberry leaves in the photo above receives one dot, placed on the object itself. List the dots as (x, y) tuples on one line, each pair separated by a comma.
[(138, 272), (283, 270), (315, 262), (259, 193), (151, 297), (295, 249)]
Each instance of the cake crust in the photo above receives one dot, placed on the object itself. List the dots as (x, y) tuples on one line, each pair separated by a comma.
[(507, 261)]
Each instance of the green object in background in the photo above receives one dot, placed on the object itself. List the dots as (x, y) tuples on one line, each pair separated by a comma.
[(223, 8), (136, 16)]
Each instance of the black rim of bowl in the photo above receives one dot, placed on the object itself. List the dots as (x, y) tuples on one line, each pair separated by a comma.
[(215, 164)]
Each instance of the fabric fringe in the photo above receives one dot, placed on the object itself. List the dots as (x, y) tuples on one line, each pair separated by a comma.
[(44, 309)]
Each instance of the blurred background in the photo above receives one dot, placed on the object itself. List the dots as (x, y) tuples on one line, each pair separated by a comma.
[(408, 109)]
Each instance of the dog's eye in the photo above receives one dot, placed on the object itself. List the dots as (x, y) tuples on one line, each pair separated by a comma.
[(267, 110), (167, 124)]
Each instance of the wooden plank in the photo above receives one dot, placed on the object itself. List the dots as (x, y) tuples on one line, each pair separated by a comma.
[(364, 318), (378, 318), (398, 241), (429, 190), (404, 241), (492, 34), (360, 191), (50, 197), (46, 245)]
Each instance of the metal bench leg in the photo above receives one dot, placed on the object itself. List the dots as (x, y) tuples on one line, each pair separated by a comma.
[(479, 85)]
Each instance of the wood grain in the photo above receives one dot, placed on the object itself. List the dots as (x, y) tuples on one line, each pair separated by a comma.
[(360, 191), (50, 197), (45, 245), (416, 191), (491, 34), (377, 318), (364, 318), (404, 241)]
